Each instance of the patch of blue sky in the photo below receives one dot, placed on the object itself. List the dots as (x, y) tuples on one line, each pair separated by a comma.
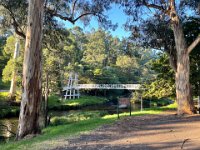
[(115, 14)]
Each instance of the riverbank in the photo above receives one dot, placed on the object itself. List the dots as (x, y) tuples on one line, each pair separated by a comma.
[(53, 136), (11, 109), (8, 108), (57, 103)]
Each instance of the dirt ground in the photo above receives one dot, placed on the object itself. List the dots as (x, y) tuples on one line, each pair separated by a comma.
[(166, 131)]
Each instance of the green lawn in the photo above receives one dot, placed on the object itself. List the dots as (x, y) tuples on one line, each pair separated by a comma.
[(53, 135), (57, 103)]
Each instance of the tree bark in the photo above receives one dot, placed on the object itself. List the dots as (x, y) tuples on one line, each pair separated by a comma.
[(14, 76), (183, 90), (31, 84)]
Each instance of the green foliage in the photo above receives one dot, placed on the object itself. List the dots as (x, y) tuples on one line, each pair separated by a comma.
[(3, 58), (12, 64), (164, 83), (11, 111), (136, 96), (191, 30), (8, 70), (160, 102), (160, 88), (5, 109), (9, 46)]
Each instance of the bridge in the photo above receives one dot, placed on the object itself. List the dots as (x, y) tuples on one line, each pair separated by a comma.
[(104, 86), (72, 88), (72, 91)]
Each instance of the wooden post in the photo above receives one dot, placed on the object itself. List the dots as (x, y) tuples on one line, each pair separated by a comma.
[(130, 109), (118, 108), (199, 104)]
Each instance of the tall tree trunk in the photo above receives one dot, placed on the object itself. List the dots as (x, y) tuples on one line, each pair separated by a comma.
[(14, 76), (31, 86), (183, 90), (46, 99)]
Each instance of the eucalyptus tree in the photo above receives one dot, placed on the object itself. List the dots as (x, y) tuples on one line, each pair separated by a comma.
[(165, 76), (12, 71), (70, 11), (171, 12), (13, 20)]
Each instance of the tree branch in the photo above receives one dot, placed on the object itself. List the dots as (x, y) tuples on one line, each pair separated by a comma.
[(73, 8), (154, 6), (18, 32), (194, 44), (15, 24), (64, 18), (70, 19), (85, 14)]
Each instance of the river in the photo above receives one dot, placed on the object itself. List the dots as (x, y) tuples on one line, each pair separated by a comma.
[(7, 127), (10, 124)]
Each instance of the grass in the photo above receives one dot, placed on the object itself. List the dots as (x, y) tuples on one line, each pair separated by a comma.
[(56, 103), (77, 116), (53, 136), (3, 96)]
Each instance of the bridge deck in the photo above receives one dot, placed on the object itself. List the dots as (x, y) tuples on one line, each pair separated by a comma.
[(104, 86)]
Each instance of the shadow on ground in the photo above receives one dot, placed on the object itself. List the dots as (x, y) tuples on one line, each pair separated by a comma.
[(150, 132)]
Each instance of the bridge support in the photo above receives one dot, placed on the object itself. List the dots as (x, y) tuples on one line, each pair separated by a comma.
[(71, 91)]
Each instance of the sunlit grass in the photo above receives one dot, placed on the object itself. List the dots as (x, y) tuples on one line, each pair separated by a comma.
[(53, 136), (72, 104), (56, 102), (77, 116), (4, 96)]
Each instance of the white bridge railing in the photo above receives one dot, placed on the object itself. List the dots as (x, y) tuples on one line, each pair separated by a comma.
[(104, 86)]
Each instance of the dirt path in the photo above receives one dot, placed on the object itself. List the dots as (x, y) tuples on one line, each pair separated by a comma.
[(150, 132)]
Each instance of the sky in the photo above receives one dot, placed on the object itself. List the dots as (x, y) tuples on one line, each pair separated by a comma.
[(116, 15)]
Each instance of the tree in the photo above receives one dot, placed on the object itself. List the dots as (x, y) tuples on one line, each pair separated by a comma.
[(13, 16), (12, 71), (163, 84), (31, 84), (168, 10), (32, 90)]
